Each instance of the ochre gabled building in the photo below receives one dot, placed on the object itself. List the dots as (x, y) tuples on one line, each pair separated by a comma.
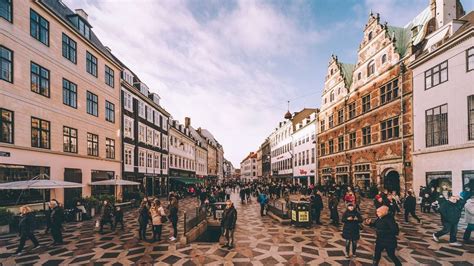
[(365, 135)]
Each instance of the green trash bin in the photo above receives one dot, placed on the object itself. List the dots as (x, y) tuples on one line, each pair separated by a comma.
[(300, 213)]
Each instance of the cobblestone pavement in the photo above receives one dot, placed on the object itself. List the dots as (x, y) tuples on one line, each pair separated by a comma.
[(260, 241)]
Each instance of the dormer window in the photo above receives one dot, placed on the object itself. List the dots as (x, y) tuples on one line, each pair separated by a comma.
[(81, 25), (370, 36), (370, 68)]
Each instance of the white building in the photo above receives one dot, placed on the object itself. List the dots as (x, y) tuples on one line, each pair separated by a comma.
[(304, 148), (443, 95), (182, 164), (248, 167), (201, 150), (281, 152)]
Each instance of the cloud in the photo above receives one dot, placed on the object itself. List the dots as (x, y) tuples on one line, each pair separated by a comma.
[(396, 13), (218, 69)]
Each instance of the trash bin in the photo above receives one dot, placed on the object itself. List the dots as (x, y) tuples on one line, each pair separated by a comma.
[(218, 209), (300, 213)]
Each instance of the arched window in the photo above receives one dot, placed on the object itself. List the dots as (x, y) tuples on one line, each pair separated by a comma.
[(331, 96), (370, 68), (384, 58), (370, 36)]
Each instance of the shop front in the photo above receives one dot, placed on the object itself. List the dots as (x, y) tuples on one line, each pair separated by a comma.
[(441, 181), (98, 175), (72, 194), (362, 177)]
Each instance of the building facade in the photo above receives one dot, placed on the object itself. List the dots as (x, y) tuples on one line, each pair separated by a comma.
[(304, 150), (259, 162), (266, 160), (281, 152), (366, 133), (182, 153), (145, 137), (443, 75), (248, 168), (201, 150), (59, 101)]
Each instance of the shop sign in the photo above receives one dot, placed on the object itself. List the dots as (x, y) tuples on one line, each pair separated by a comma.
[(293, 215), (303, 216)]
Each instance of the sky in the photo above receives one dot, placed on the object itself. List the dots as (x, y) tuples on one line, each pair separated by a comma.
[(232, 65)]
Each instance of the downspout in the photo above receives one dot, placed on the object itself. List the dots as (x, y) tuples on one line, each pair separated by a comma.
[(402, 111)]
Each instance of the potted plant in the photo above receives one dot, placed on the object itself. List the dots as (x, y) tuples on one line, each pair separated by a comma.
[(91, 204), (6, 217)]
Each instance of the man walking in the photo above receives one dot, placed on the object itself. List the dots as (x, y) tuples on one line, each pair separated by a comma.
[(229, 220), (410, 206), (25, 228), (450, 211), (56, 217)]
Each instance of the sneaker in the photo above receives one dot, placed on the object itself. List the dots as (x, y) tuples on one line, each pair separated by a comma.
[(36, 247), (225, 246), (455, 244), (435, 238), (170, 238), (230, 247), (347, 255), (173, 239), (18, 254)]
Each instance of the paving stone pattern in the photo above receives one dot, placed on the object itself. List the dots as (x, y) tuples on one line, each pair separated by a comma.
[(260, 241)]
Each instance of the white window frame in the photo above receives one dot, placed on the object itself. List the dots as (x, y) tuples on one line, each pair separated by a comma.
[(128, 101), (128, 127), (141, 132), (141, 109)]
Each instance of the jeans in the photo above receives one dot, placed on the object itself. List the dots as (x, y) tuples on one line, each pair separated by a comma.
[(23, 239), (229, 236), (412, 212), (104, 222), (390, 252), (348, 245), (467, 233), (57, 235), (157, 232), (262, 208), (142, 231), (450, 228), (175, 227)]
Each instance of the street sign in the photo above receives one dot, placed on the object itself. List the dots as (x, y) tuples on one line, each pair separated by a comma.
[(4, 154)]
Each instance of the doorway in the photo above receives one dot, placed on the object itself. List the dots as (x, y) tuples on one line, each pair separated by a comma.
[(391, 181)]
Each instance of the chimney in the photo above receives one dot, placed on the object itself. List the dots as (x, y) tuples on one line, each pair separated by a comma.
[(82, 13), (187, 122), (108, 49), (446, 11)]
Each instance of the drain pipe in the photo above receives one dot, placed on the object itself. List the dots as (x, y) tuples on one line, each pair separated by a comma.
[(402, 112)]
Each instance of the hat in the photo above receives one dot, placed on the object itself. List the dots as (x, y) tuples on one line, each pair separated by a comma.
[(377, 197)]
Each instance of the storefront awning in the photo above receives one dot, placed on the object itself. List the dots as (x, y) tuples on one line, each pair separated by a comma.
[(187, 180)]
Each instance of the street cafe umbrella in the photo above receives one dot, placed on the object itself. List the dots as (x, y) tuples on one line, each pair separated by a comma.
[(115, 182)]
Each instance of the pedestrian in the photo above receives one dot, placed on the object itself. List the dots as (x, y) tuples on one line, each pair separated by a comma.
[(450, 211), (386, 230), (228, 191), (157, 213), (392, 205), (242, 195), (469, 215), (378, 201), (263, 200), (318, 206), (173, 216), (118, 217), (426, 203), (351, 229), (106, 217), (334, 214), (47, 214), (228, 222), (25, 229), (57, 218), (410, 207), (143, 218)]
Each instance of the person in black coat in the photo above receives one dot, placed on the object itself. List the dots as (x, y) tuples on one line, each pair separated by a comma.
[(351, 230), (410, 206), (25, 228), (228, 222), (57, 218), (118, 217), (143, 218), (317, 207), (107, 215), (450, 211), (334, 214), (387, 231), (173, 216)]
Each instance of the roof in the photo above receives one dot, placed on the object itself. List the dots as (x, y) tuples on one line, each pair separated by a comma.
[(62, 11), (421, 22), (347, 71), (401, 38), (469, 22)]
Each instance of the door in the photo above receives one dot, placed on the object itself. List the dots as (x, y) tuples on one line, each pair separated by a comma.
[(392, 181)]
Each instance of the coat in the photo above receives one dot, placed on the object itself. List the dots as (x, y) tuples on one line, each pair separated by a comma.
[(229, 218), (351, 229), (25, 226), (410, 203), (262, 199), (318, 202), (450, 212), (57, 217), (387, 230), (107, 213), (156, 214), (173, 213), (143, 216), (469, 211)]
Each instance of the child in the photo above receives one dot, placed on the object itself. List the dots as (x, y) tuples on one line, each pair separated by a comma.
[(351, 230), (118, 217)]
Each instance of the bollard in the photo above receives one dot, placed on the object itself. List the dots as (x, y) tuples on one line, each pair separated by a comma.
[(184, 222)]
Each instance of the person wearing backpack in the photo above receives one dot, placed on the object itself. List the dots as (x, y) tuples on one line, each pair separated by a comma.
[(263, 200)]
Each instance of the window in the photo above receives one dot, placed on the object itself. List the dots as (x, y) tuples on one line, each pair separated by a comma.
[(40, 133), (110, 148), (92, 144), (331, 146), (6, 126), (384, 58), (370, 36), (69, 139), (436, 75), (370, 68), (340, 116), (81, 25), (69, 93), (141, 158), (156, 161), (323, 149), (141, 133), (149, 113), (366, 137), (470, 59), (128, 101), (157, 138), (390, 129), (340, 143), (312, 155), (331, 121), (39, 79), (39, 27), (352, 140), (109, 76), (331, 96), (109, 112), (6, 10), (149, 136), (366, 103), (69, 49), (352, 108), (91, 64), (149, 160), (6, 64), (389, 92), (470, 114), (437, 126), (128, 159), (92, 104), (128, 127), (141, 109), (359, 76), (322, 125)]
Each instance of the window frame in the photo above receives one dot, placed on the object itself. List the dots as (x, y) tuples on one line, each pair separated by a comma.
[(91, 64), (67, 50), (109, 76), (67, 90), (109, 109), (10, 61), (371, 68), (431, 73), (109, 148), (366, 135), (93, 103), (352, 140), (331, 146), (38, 25), (340, 143), (91, 151), (366, 103), (393, 127), (351, 111), (40, 131), (470, 116), (429, 128), (12, 123), (9, 11), (70, 138), (40, 79), (389, 91), (467, 59)]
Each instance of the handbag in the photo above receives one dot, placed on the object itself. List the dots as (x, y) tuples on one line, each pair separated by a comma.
[(97, 223), (164, 219)]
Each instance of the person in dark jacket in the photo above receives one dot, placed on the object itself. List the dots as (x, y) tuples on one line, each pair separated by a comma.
[(118, 217), (228, 222), (387, 231), (450, 211), (25, 228), (410, 207), (351, 230), (173, 216), (378, 201), (317, 207), (47, 214), (57, 218), (144, 218), (426, 203), (107, 216), (334, 214)]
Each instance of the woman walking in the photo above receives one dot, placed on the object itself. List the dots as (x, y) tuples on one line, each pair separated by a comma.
[(157, 214), (173, 212), (26, 230), (143, 219), (351, 230)]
